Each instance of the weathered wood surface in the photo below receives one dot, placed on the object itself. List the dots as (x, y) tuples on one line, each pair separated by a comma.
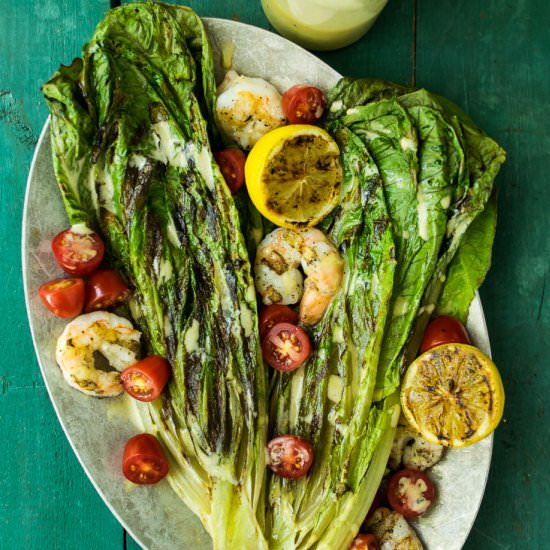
[(493, 59)]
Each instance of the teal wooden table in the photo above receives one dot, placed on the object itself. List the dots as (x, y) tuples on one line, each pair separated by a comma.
[(491, 57)]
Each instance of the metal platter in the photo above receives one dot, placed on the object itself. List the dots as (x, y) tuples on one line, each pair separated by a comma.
[(98, 428)]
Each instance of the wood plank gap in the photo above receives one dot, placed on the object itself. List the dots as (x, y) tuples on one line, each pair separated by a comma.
[(413, 46)]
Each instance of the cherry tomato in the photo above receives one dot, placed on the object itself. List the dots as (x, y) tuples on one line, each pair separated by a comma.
[(146, 379), (144, 461), (64, 297), (285, 347), (410, 492), (231, 162), (105, 289), (365, 541), (290, 456), (444, 330), (78, 252), (273, 314), (303, 104)]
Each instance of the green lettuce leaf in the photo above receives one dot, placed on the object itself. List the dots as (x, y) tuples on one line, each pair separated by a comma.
[(470, 264)]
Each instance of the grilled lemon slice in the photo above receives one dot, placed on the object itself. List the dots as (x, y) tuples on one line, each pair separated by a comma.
[(293, 175), (453, 395)]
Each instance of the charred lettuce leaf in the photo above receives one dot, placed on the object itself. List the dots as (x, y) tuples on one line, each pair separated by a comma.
[(132, 156)]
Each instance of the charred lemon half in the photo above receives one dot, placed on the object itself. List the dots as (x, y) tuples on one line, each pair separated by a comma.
[(453, 395), (293, 175)]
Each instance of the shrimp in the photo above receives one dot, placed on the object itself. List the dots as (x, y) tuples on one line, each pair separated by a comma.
[(87, 335), (248, 108), (393, 531), (280, 281), (412, 450)]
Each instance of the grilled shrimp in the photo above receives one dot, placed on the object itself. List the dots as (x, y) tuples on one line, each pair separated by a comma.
[(280, 281), (100, 332), (412, 450), (393, 531), (248, 108)]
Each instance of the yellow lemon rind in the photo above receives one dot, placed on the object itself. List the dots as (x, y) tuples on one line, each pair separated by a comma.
[(412, 404), (264, 192)]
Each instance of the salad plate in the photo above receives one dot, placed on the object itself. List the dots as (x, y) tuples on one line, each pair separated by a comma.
[(97, 429)]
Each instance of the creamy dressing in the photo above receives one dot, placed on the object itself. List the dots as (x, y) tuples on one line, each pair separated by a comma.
[(247, 320), (338, 335), (323, 24), (167, 326), (227, 51), (221, 290), (336, 106), (335, 388), (445, 202), (400, 306), (81, 229), (407, 144), (191, 338), (422, 208), (203, 162), (137, 161), (165, 271), (106, 190), (169, 149), (296, 391), (172, 233), (124, 407)]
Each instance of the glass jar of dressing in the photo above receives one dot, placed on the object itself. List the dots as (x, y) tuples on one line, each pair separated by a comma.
[(323, 24)]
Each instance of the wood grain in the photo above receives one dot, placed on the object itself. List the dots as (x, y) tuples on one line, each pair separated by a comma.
[(46, 499), (492, 58)]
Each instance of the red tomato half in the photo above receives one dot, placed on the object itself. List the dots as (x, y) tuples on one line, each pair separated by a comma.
[(365, 541), (444, 330), (304, 104), (105, 289), (64, 297), (286, 347), (231, 162), (144, 461), (273, 314), (78, 253), (410, 492), (146, 379), (290, 456)]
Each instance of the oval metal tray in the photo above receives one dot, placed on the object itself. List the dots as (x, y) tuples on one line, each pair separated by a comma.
[(98, 428)]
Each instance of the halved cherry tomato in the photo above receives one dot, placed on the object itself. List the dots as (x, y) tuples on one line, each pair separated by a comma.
[(290, 456), (444, 330), (64, 297), (365, 541), (144, 461), (304, 104), (231, 162), (285, 347), (273, 314), (410, 492), (78, 252), (105, 289), (146, 379)]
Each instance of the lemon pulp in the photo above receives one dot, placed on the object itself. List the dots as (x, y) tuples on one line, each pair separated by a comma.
[(453, 395), (293, 175)]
